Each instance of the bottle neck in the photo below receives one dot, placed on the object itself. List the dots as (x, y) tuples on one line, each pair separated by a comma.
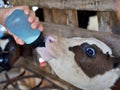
[(39, 42)]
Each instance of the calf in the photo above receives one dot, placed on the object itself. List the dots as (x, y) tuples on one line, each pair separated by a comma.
[(86, 63)]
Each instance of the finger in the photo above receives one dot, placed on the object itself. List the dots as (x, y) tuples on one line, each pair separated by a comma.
[(25, 8), (18, 40), (35, 23), (40, 27), (31, 17)]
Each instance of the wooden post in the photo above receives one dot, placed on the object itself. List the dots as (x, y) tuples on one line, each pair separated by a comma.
[(58, 16), (110, 19)]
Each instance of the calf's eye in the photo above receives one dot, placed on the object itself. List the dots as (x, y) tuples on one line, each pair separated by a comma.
[(90, 51)]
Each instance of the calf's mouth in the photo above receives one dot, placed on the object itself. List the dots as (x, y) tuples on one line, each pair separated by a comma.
[(44, 51)]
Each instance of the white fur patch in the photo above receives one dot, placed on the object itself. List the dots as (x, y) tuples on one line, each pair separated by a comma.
[(66, 68), (3, 43), (105, 49), (69, 71), (105, 81)]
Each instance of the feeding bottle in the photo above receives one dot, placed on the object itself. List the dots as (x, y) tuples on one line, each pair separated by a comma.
[(19, 25)]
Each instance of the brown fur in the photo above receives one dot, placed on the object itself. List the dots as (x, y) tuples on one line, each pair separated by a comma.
[(92, 66), (95, 65)]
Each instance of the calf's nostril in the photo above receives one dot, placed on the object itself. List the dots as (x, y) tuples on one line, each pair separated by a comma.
[(51, 39)]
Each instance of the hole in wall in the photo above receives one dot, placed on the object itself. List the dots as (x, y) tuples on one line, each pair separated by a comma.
[(87, 19), (39, 12)]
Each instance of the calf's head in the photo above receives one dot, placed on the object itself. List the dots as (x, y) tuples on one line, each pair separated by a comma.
[(83, 62), (91, 59)]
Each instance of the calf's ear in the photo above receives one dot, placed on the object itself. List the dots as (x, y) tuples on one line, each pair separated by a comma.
[(73, 49)]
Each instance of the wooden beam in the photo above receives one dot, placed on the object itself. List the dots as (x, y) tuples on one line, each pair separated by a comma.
[(94, 5), (29, 64), (112, 40)]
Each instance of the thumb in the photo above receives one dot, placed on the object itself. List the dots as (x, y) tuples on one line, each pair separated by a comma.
[(17, 39)]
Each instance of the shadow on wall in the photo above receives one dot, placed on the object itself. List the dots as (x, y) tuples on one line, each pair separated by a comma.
[(39, 13)]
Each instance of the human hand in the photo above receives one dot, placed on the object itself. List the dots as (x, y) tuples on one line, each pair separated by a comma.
[(4, 13)]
